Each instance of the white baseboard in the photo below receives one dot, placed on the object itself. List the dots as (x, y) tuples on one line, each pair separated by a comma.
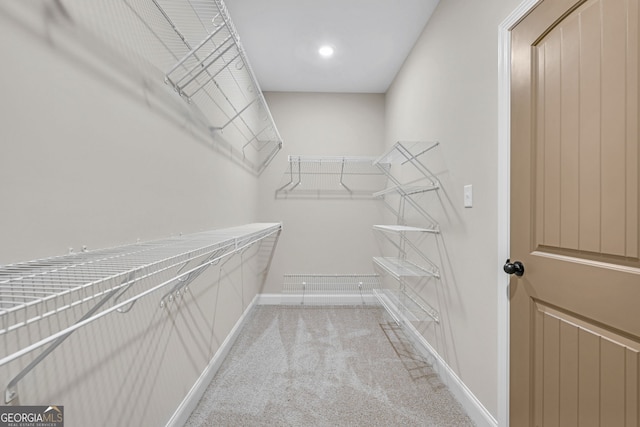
[(190, 401), (317, 299), (472, 406)]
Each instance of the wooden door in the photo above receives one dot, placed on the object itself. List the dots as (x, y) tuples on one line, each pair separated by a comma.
[(575, 322)]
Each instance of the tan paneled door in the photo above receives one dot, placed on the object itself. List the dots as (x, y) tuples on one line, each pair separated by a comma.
[(575, 313)]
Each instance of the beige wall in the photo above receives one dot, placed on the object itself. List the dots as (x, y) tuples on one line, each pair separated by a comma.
[(89, 157), (322, 235), (447, 91)]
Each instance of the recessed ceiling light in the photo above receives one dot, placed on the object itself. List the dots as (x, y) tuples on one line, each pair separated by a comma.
[(326, 51)]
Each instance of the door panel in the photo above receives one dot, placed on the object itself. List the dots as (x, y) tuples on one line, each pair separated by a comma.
[(575, 327), (586, 188), (581, 365)]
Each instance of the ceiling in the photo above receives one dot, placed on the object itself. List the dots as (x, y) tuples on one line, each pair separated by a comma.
[(371, 39)]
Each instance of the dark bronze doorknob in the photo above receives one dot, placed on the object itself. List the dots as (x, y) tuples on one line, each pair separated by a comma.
[(516, 268)]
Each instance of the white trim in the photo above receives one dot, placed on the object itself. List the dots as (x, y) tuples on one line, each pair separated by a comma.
[(504, 178), (191, 400), (317, 299), (469, 402)]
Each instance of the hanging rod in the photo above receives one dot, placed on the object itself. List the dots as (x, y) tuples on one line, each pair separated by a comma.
[(331, 159), (331, 176)]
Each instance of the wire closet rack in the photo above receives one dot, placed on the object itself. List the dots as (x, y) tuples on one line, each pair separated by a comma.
[(401, 267), (193, 47), (411, 264), (331, 288), (407, 305), (35, 290), (332, 176), (408, 152)]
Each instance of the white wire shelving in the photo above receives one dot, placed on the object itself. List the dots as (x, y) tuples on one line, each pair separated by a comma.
[(400, 268), (407, 239), (35, 290), (406, 305), (405, 228), (332, 176), (216, 75), (314, 288), (330, 283), (402, 153), (193, 47)]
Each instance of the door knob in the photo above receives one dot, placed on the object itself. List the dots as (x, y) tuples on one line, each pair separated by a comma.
[(516, 268)]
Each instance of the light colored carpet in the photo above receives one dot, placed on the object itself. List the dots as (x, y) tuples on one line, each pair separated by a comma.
[(325, 366)]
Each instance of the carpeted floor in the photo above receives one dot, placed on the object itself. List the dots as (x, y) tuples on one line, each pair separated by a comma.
[(325, 366)]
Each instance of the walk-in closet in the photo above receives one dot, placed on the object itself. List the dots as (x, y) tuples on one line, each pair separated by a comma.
[(251, 213)]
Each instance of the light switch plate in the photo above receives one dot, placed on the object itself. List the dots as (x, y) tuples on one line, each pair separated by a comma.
[(468, 196)]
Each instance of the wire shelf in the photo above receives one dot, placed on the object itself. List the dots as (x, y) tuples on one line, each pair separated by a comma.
[(193, 47), (103, 281), (331, 288), (399, 268), (407, 193), (348, 176), (404, 229), (216, 75), (330, 283), (404, 305), (34, 290)]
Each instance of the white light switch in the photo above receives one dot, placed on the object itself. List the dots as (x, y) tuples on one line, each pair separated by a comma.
[(468, 196)]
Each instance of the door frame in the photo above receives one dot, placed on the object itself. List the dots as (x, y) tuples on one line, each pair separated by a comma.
[(504, 199)]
